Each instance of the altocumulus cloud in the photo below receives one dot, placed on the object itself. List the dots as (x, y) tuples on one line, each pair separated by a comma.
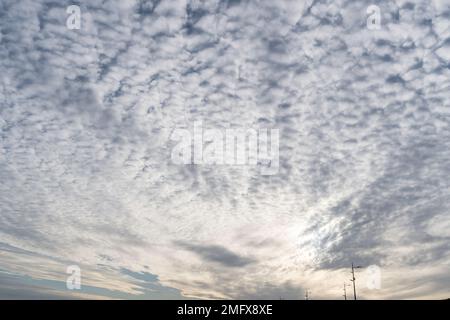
[(86, 177)]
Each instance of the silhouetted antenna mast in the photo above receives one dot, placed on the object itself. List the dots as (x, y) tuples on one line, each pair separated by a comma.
[(354, 279)]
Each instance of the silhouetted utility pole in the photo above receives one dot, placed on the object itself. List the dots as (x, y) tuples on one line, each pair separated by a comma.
[(354, 279), (345, 291)]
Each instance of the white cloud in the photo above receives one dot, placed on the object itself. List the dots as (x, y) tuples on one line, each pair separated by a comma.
[(86, 117)]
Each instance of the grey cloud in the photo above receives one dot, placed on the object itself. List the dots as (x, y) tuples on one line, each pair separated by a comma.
[(217, 254)]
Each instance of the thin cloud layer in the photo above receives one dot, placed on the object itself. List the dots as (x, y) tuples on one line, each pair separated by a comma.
[(86, 118)]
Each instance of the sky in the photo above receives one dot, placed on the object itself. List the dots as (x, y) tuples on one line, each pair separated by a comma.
[(362, 110)]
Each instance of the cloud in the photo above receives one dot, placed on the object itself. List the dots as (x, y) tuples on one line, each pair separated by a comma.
[(86, 118), (217, 254)]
